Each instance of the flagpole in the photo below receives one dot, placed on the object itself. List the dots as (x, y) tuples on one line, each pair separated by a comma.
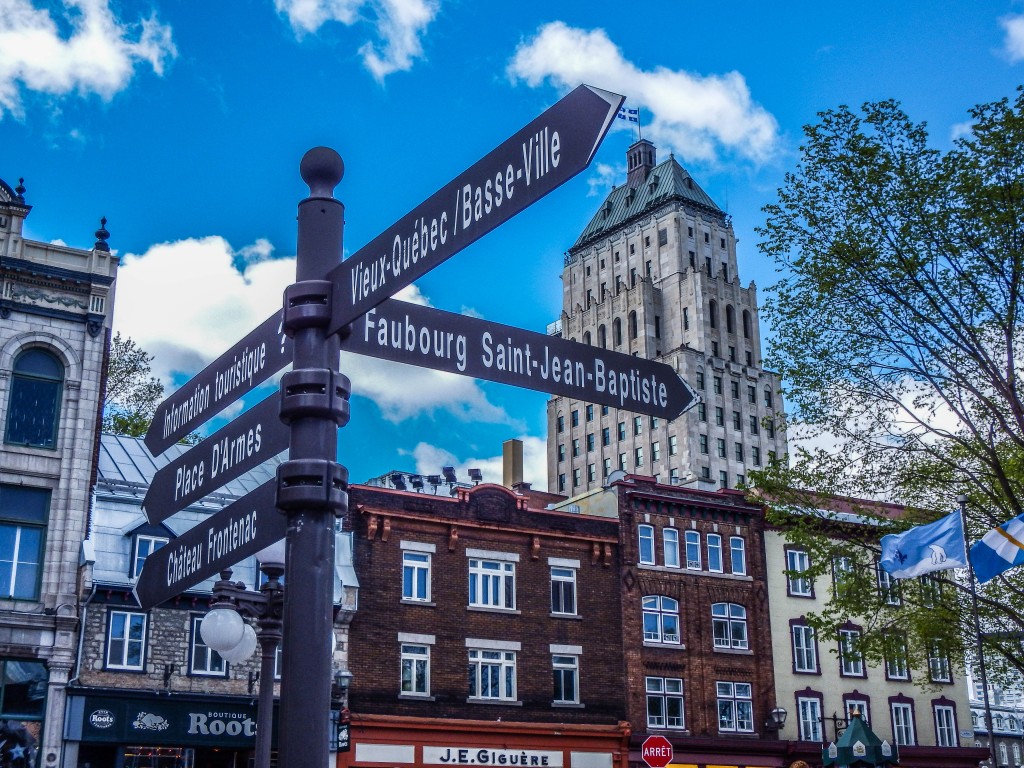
[(962, 499)]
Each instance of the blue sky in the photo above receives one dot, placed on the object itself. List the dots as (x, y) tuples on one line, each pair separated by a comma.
[(185, 129)]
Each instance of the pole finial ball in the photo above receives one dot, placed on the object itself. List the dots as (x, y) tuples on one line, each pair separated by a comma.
[(321, 168)]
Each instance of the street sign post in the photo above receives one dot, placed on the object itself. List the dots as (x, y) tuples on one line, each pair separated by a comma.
[(239, 530), (230, 452), (445, 341), (657, 751)]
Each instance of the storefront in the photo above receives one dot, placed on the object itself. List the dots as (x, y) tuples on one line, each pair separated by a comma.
[(159, 730), (377, 740)]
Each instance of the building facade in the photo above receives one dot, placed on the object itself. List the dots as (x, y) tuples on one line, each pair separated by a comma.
[(55, 310), (487, 633), (147, 692), (655, 274)]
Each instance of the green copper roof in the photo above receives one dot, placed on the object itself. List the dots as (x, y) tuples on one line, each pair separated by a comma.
[(859, 746), (666, 181)]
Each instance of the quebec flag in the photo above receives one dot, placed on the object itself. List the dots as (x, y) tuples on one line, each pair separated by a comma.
[(926, 548), (999, 549)]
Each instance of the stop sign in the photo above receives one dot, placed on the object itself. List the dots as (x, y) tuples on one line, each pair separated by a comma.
[(656, 751)]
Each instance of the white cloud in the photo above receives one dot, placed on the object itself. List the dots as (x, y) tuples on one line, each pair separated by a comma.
[(603, 177), (699, 116), (961, 130), (1013, 45), (98, 56), (430, 458), (400, 26), (188, 301)]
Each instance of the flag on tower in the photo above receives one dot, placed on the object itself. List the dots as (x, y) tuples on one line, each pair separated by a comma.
[(632, 115), (999, 549), (925, 548)]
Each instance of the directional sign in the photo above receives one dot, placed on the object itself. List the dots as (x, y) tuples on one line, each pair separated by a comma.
[(540, 157), (444, 341), (245, 443), (241, 529), (245, 366)]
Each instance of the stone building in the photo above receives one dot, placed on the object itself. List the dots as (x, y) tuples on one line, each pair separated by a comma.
[(55, 309), (147, 691), (488, 632), (655, 274)]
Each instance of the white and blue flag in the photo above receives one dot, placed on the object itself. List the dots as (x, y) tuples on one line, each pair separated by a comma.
[(999, 549), (925, 548), (633, 115)]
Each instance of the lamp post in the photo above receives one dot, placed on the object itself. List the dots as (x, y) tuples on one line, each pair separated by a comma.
[(224, 631), (776, 721)]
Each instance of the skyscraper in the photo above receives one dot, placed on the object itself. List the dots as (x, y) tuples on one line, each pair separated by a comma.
[(654, 274)]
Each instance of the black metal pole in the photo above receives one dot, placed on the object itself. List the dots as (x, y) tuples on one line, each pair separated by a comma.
[(269, 635), (311, 484)]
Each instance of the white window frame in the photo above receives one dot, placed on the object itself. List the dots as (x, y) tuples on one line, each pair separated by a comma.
[(735, 707), (416, 573), (492, 580), (151, 544), (563, 589), (203, 660), (664, 611), (714, 545), (939, 668), (861, 705), (670, 546), (797, 560), (692, 550), (903, 724), (645, 542), (851, 661), (130, 619), (737, 544), (414, 669), (492, 666), (896, 665), (809, 718), (565, 669), (805, 651), (945, 726), (727, 619), (666, 703)]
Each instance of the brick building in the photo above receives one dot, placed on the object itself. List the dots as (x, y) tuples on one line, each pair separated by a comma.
[(487, 632), (55, 309)]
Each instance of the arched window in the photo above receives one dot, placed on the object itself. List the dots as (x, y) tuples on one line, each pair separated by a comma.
[(602, 337), (730, 319), (661, 619), (632, 325), (747, 326), (586, 337), (713, 314), (617, 332), (36, 386)]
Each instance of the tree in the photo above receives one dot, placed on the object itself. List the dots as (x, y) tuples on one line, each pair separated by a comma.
[(132, 394), (898, 332)]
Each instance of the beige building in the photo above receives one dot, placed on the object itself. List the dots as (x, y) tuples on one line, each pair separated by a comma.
[(55, 310), (654, 274), (818, 679)]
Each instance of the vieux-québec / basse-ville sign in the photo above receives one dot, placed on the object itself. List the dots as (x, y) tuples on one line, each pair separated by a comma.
[(544, 154)]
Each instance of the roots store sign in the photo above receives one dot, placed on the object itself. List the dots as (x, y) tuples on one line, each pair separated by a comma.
[(348, 304)]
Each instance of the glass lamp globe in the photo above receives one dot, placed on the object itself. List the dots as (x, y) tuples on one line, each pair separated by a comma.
[(243, 650), (222, 629)]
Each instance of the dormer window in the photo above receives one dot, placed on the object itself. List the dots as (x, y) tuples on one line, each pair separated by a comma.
[(142, 547)]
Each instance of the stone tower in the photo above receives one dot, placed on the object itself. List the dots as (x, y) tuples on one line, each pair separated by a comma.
[(654, 274)]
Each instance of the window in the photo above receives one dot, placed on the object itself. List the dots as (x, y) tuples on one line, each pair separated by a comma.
[(673, 444), (738, 553), (591, 473), (1002, 753), (574, 418), (607, 466), (712, 311), (566, 671), (638, 454), (693, 550), (809, 712), (665, 702), (753, 425), (622, 430), (590, 413), (747, 325), (686, 318), (896, 667), (415, 670), (561, 482), (751, 394), (492, 584), (755, 456), (656, 451), (23, 516), (797, 562), (734, 388), (860, 706), (617, 332), (903, 724), (723, 478), (715, 553), (126, 640), (732, 354), (622, 462), (23, 695), (560, 423), (729, 625), (769, 429), (768, 397), (851, 662), (492, 674), (37, 382), (561, 452), (735, 707), (670, 539), (938, 663), (737, 423), (738, 452), (638, 424), (661, 619), (805, 651), (646, 544), (575, 447), (144, 546), (719, 416), (203, 659), (416, 576), (563, 590), (714, 348), (590, 442), (945, 727), (704, 444), (717, 383), (720, 443), (730, 312), (632, 325), (700, 379), (888, 587), (606, 436)]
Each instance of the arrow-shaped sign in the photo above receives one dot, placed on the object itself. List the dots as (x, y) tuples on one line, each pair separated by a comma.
[(444, 341), (540, 157), (241, 529), (230, 452)]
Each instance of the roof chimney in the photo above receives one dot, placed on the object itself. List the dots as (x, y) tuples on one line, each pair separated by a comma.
[(640, 159), (512, 462)]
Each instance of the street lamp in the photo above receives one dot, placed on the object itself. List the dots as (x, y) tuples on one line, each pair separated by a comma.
[(776, 720)]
